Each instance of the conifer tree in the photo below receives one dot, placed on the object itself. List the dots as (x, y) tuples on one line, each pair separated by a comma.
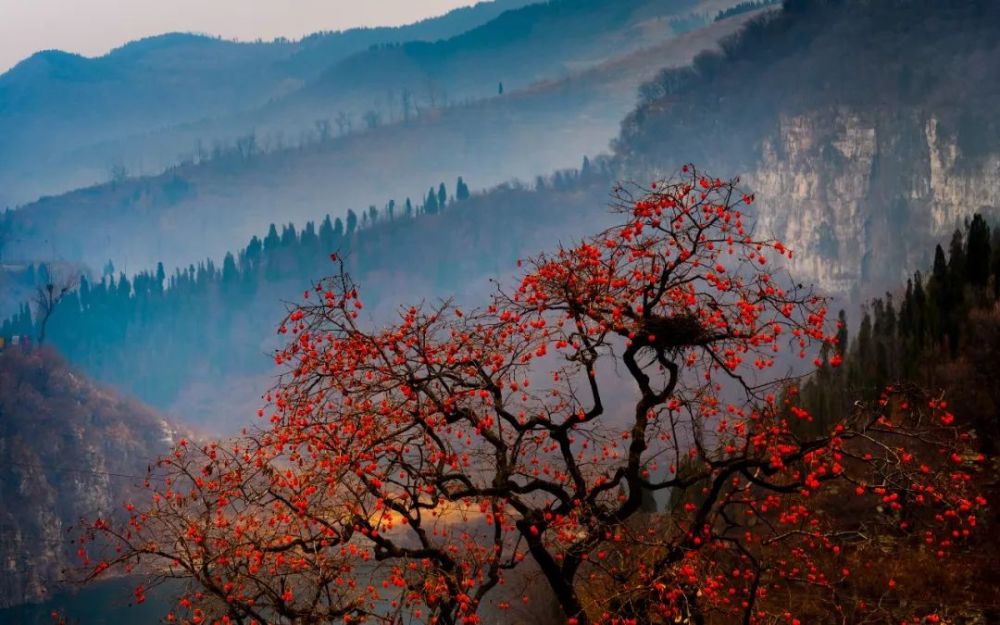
[(289, 236), (161, 276), (229, 271), (461, 190), (338, 232), (978, 253), (431, 203), (253, 254), (326, 234), (352, 222), (272, 240)]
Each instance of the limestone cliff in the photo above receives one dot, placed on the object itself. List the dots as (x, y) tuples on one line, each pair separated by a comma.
[(866, 129), (860, 193)]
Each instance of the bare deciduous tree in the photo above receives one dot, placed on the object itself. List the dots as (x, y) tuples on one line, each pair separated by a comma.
[(47, 299)]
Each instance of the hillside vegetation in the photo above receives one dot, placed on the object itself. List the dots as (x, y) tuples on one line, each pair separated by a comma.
[(212, 324), (69, 449), (856, 122), (921, 54)]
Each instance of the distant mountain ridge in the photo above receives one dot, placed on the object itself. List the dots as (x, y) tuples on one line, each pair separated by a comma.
[(210, 204), (535, 42), (55, 103)]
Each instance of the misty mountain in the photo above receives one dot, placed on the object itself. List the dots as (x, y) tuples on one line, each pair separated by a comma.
[(201, 208), (60, 112), (538, 42), (398, 81), (827, 180)]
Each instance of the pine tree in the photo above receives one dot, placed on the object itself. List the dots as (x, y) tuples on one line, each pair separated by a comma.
[(461, 190), (890, 322), (431, 202), (906, 311), (161, 276), (956, 259), (253, 254), (842, 337), (920, 324), (352, 222), (978, 253), (230, 275), (941, 294), (288, 236), (442, 196), (272, 240), (326, 235), (308, 239), (956, 290), (863, 356)]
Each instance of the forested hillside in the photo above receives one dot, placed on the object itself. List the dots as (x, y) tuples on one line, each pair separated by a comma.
[(854, 120), (941, 332), (218, 200), (414, 458), (431, 255), (212, 324), (68, 449)]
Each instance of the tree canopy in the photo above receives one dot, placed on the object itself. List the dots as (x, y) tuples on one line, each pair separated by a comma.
[(405, 473)]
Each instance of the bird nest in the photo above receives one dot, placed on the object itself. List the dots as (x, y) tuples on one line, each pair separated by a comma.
[(671, 333)]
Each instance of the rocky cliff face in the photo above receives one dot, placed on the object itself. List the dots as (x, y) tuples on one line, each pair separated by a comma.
[(68, 450), (866, 129), (860, 193)]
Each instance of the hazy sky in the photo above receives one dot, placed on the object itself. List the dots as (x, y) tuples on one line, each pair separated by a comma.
[(92, 27)]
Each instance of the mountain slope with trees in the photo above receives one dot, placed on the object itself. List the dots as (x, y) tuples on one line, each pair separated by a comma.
[(856, 120), (69, 449), (942, 331), (542, 41), (198, 208), (211, 323), (61, 114)]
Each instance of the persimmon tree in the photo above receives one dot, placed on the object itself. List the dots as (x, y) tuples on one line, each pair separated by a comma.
[(403, 473)]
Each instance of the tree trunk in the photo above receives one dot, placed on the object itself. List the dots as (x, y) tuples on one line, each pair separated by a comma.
[(560, 583)]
